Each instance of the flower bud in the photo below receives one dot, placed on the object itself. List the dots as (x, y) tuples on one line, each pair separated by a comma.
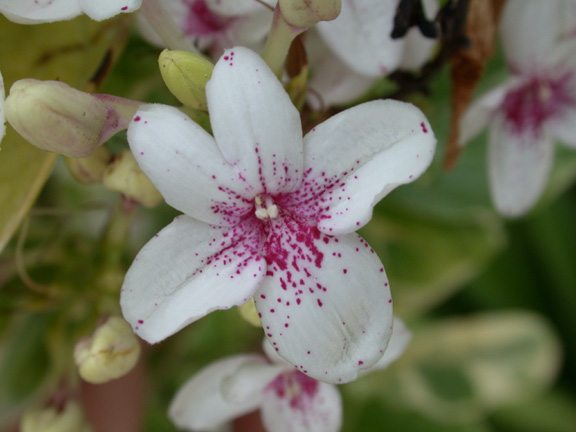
[(56, 117), (51, 419), (111, 352), (125, 176), (249, 312), (306, 13), (186, 75), (90, 169)]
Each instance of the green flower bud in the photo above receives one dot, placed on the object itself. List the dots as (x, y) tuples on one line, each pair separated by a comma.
[(111, 352), (90, 169), (249, 312), (186, 75), (125, 176), (51, 419), (306, 13), (56, 117)]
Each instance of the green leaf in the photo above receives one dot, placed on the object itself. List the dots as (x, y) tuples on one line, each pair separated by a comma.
[(552, 412), (72, 52), (458, 370), (24, 363), (429, 257)]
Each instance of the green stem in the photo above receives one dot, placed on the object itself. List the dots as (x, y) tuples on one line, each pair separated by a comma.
[(278, 43), (115, 236)]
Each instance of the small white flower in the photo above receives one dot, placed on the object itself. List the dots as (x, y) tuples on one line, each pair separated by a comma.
[(289, 400), (356, 49), (272, 215), (217, 24), (536, 106), (42, 11)]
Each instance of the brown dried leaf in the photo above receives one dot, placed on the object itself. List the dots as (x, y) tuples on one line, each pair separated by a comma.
[(468, 64)]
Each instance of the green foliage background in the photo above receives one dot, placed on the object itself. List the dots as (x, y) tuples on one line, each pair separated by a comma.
[(491, 302)]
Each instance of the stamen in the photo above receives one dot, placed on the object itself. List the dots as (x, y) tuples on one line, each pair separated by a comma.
[(265, 208)]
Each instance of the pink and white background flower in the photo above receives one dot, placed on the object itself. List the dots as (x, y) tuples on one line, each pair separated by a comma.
[(289, 400), (535, 107), (213, 25)]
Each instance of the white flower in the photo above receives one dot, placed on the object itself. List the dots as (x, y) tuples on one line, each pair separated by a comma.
[(356, 49), (536, 106), (42, 11), (272, 216), (217, 24), (289, 400)]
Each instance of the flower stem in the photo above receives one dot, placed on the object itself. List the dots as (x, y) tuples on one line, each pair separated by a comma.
[(278, 43)]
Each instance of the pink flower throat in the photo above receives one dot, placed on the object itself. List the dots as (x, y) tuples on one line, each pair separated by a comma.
[(537, 100), (201, 21), (296, 387)]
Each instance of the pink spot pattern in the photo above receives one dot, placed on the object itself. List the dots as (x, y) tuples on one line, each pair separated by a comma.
[(540, 98), (314, 291)]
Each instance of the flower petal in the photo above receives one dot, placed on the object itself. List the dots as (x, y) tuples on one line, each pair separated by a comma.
[(237, 7), (254, 122), (34, 12), (294, 402), (335, 83), (524, 36), (104, 9), (249, 381), (325, 304), (200, 405), (519, 165), (399, 341), (565, 128), (188, 270), (360, 36), (357, 157), (417, 48), (184, 163), (481, 112), (252, 28)]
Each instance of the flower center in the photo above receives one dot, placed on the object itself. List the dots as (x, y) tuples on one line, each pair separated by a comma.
[(537, 100), (296, 387), (265, 207), (201, 21)]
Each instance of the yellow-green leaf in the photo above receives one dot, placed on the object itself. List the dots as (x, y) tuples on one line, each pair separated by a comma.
[(77, 52)]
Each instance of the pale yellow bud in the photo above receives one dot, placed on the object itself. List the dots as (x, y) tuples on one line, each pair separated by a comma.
[(306, 13), (56, 117), (125, 176), (90, 169), (186, 75), (249, 312), (111, 352), (50, 419)]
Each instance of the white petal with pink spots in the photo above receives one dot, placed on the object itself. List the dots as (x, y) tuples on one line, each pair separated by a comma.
[(267, 221)]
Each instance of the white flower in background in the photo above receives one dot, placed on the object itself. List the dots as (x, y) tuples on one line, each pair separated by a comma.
[(360, 49), (217, 24), (43, 11), (289, 400), (534, 108), (272, 215)]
